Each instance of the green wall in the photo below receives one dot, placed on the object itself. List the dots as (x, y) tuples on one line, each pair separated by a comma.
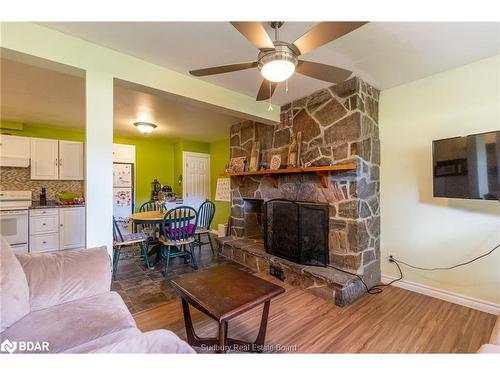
[(42, 131), (219, 157), (155, 158)]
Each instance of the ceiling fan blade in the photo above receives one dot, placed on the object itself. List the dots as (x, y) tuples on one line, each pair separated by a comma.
[(264, 92), (323, 72), (223, 69), (255, 33), (323, 33)]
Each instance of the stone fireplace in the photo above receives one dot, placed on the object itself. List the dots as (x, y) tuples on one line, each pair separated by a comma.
[(338, 125)]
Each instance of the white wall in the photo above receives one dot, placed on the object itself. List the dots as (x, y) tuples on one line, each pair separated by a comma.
[(99, 159), (428, 231)]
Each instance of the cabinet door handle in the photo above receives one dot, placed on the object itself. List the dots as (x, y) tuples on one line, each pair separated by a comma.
[(60, 225), (43, 223), (44, 242), (56, 163)]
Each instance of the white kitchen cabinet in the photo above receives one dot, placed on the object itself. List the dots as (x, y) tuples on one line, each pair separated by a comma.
[(46, 221), (44, 229), (56, 160), (70, 160), (44, 242), (54, 229), (14, 151), (123, 153), (71, 227), (44, 159)]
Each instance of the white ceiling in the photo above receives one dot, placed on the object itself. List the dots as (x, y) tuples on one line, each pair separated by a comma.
[(384, 54), (176, 117), (32, 94), (40, 96)]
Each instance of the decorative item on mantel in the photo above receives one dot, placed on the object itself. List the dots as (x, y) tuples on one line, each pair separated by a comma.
[(254, 157), (294, 151), (237, 164), (275, 162)]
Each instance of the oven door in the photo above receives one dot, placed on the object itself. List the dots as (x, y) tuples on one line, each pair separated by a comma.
[(14, 226)]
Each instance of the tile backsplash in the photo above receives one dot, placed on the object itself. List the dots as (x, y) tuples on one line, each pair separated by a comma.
[(12, 178)]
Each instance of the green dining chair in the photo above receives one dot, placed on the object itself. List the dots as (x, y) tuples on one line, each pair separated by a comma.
[(178, 235), (151, 229), (205, 216)]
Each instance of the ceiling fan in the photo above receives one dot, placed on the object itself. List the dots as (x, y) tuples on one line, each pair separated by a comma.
[(278, 60)]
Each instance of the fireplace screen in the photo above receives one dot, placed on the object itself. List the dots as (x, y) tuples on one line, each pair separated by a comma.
[(297, 231)]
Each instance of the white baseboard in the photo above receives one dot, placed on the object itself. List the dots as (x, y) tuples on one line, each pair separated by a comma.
[(459, 299)]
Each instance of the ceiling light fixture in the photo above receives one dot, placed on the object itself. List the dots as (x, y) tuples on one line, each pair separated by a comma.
[(145, 127), (279, 64)]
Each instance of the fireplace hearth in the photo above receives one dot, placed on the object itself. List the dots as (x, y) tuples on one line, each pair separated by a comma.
[(297, 231)]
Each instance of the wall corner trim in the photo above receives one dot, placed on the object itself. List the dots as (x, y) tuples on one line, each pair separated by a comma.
[(459, 299)]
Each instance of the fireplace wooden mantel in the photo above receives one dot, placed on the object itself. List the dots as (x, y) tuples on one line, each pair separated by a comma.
[(274, 174)]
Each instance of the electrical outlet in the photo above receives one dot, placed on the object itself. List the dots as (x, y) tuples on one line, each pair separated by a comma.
[(390, 257)]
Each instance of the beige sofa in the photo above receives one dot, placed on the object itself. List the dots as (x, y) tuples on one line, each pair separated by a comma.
[(494, 345), (64, 299)]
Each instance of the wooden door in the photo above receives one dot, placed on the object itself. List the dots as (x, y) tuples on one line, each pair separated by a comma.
[(70, 160), (44, 159), (196, 175), (71, 227)]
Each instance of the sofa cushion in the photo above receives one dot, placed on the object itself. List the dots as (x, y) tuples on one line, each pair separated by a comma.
[(73, 323), (156, 342), (14, 298), (489, 349), (64, 276), (102, 341)]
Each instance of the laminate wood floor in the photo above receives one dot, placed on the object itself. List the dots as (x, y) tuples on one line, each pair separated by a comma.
[(395, 321)]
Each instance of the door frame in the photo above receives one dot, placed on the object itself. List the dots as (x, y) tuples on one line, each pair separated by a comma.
[(198, 154)]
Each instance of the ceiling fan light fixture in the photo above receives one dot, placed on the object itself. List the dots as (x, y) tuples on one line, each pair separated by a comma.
[(277, 70), (145, 127), (279, 64)]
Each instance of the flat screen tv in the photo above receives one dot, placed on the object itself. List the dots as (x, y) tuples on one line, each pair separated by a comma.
[(467, 167)]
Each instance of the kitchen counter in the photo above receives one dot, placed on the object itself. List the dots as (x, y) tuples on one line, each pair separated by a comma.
[(52, 204)]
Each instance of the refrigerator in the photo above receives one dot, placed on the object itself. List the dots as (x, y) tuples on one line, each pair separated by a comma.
[(123, 195)]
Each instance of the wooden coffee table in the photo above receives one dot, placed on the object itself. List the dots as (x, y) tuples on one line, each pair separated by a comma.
[(224, 292)]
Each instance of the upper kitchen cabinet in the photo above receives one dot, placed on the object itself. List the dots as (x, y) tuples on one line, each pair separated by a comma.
[(14, 151), (56, 160), (70, 160), (44, 159), (123, 153)]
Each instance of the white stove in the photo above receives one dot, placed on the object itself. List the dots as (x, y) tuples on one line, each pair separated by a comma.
[(14, 218)]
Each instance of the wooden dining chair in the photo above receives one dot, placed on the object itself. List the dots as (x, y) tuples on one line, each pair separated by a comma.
[(178, 235), (151, 229), (131, 240), (205, 216), (152, 206)]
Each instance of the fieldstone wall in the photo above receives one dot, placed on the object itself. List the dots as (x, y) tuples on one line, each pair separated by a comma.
[(338, 125)]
